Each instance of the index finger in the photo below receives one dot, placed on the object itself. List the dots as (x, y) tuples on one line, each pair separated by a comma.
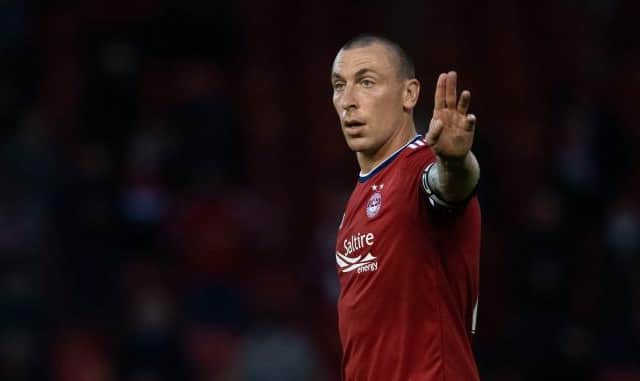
[(439, 98)]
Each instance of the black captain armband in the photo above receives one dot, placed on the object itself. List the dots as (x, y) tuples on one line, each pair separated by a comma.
[(436, 201)]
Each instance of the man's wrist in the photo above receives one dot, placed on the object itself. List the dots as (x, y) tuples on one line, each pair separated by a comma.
[(453, 163)]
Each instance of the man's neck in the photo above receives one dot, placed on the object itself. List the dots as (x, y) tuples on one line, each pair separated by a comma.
[(401, 137)]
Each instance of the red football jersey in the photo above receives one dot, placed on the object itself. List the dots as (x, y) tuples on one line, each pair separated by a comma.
[(408, 277)]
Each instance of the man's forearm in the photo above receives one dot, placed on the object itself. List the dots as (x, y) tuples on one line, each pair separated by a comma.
[(454, 180)]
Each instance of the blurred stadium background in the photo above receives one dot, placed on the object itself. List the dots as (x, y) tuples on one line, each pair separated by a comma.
[(172, 175)]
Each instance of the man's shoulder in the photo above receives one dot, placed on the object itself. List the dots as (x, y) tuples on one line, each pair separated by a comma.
[(416, 156), (418, 149)]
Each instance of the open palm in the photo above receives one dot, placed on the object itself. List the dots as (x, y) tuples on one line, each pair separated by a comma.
[(451, 129)]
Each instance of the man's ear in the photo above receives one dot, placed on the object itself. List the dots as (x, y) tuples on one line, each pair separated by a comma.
[(411, 93)]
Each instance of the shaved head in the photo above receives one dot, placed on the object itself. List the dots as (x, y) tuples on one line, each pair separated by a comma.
[(404, 64)]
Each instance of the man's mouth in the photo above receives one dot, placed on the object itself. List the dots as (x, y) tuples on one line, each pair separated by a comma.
[(353, 123)]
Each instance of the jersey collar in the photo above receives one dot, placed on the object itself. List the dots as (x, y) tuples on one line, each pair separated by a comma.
[(362, 177)]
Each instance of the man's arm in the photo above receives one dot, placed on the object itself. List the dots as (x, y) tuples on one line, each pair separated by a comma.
[(455, 174), (454, 181)]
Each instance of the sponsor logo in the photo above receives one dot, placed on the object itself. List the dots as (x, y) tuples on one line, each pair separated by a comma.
[(360, 263), (357, 242)]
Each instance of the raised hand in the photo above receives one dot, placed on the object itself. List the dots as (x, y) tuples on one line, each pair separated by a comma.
[(451, 129)]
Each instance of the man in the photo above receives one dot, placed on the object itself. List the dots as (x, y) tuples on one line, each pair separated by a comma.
[(408, 245)]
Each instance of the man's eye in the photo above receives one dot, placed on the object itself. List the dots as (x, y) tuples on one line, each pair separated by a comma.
[(367, 83), (338, 86)]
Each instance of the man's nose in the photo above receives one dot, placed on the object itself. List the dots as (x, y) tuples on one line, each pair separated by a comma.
[(348, 99)]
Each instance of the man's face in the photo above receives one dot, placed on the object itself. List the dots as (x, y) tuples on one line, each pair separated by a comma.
[(367, 95)]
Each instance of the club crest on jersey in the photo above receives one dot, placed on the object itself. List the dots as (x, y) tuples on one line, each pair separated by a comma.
[(375, 201)]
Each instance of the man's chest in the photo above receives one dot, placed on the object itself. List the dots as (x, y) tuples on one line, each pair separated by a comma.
[(371, 224)]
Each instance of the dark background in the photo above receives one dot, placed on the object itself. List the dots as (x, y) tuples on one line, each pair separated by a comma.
[(172, 175)]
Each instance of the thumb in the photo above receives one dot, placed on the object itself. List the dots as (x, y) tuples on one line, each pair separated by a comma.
[(435, 129)]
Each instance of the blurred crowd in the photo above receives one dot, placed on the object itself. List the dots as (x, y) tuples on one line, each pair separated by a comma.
[(172, 177)]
